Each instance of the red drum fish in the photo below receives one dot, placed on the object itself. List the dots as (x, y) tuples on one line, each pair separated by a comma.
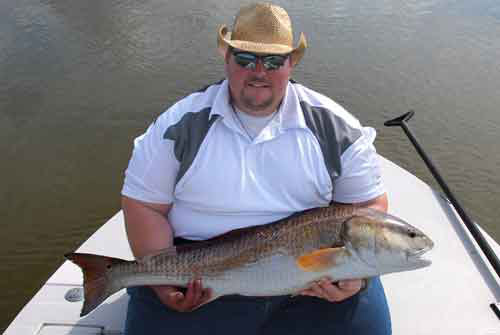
[(280, 258)]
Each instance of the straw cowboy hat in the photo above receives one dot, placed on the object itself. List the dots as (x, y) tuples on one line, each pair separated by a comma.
[(262, 28)]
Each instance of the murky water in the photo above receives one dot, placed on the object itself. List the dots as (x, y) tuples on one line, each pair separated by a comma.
[(80, 79)]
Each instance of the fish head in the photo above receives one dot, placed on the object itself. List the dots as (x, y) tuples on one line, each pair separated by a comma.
[(385, 242)]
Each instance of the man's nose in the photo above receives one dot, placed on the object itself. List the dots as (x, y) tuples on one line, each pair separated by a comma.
[(259, 67)]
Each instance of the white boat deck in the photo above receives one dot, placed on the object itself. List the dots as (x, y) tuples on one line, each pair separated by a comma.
[(452, 296)]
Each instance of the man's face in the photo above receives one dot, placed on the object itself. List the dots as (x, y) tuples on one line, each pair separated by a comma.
[(256, 91)]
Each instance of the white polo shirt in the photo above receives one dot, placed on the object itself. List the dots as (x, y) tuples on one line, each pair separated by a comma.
[(236, 182)]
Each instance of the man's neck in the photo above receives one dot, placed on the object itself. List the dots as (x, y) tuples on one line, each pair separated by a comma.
[(258, 113)]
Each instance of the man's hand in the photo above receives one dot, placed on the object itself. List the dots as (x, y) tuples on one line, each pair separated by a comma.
[(334, 292), (175, 299)]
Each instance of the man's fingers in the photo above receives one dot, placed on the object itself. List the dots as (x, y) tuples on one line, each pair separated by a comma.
[(314, 290), (193, 294), (170, 296), (188, 296), (325, 289), (206, 295), (350, 285), (176, 297), (166, 293), (310, 293), (193, 297), (342, 290), (197, 292), (330, 291)]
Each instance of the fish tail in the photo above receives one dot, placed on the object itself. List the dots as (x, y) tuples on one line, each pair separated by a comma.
[(97, 286)]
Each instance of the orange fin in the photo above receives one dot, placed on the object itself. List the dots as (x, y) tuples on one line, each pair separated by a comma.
[(96, 284), (321, 259)]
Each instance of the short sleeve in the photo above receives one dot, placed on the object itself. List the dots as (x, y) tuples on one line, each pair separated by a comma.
[(360, 178), (152, 169)]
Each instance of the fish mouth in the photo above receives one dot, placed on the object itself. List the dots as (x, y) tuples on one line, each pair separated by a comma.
[(419, 252), (425, 245), (417, 256)]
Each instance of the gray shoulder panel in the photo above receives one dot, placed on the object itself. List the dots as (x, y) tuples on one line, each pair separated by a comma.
[(333, 133), (188, 135)]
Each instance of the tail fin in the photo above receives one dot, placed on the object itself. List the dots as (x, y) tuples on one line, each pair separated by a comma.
[(96, 284)]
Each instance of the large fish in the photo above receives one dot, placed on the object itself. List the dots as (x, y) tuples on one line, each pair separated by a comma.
[(280, 258)]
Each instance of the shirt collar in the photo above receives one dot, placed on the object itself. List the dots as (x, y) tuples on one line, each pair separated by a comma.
[(290, 111), (221, 104)]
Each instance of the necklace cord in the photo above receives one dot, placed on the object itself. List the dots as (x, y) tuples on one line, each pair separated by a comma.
[(244, 127)]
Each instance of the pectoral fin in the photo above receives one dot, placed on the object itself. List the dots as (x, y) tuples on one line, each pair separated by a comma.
[(322, 259)]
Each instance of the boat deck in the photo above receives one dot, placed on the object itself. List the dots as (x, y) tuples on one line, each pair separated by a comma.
[(452, 296)]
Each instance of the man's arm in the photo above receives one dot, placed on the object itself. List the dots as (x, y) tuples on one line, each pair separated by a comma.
[(148, 232), (336, 292), (380, 203)]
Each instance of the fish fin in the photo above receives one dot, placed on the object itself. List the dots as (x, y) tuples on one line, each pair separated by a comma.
[(168, 252), (321, 259), (96, 285)]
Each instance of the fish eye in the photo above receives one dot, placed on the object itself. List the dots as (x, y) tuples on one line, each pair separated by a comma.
[(412, 234)]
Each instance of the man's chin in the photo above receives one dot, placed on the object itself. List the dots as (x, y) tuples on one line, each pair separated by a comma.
[(256, 105)]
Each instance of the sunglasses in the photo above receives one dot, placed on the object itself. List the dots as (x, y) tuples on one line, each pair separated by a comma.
[(249, 60)]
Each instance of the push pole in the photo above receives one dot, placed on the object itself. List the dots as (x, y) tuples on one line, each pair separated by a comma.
[(402, 121), (476, 233)]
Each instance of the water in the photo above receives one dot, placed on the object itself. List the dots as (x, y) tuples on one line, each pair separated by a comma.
[(80, 79)]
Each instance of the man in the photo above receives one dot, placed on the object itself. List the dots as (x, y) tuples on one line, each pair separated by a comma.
[(250, 150)]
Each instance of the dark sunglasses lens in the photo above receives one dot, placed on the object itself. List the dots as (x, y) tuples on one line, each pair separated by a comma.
[(249, 60), (245, 60), (273, 62)]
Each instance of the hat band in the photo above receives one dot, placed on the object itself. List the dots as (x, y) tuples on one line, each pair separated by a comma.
[(224, 40)]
